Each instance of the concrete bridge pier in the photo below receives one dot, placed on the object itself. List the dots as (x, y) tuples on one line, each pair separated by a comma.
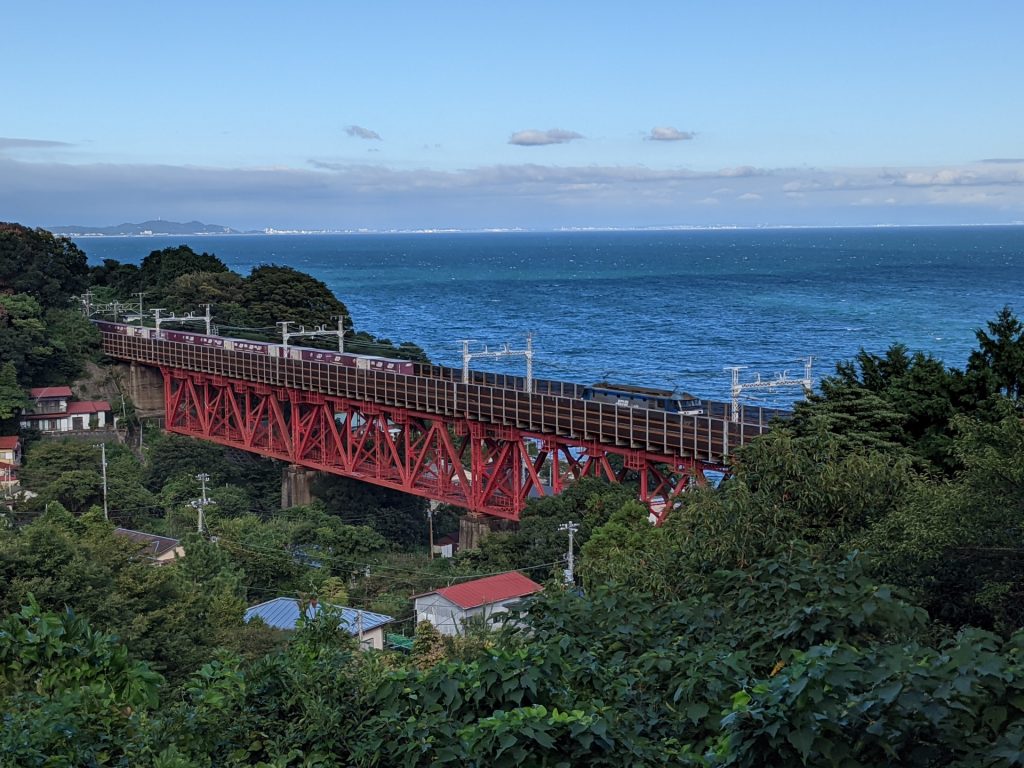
[(296, 486), (472, 529), (146, 389)]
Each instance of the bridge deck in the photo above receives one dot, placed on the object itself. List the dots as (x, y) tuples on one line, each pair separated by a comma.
[(706, 438)]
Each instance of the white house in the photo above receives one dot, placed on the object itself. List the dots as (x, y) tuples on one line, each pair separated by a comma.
[(283, 613), (53, 411), (449, 608)]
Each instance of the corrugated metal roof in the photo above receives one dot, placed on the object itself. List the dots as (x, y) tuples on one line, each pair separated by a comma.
[(492, 589), (37, 393), (283, 613), (8, 443)]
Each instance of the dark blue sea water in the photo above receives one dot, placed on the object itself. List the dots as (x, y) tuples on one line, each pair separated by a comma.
[(669, 309)]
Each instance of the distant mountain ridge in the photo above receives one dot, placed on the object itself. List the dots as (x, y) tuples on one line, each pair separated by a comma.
[(158, 227)]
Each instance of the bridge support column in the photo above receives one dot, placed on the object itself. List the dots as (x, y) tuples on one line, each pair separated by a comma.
[(146, 389), (472, 529), (296, 485)]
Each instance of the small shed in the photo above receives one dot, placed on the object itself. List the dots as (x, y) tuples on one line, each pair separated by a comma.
[(449, 608), (283, 613)]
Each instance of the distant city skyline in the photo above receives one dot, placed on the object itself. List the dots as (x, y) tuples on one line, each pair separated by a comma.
[(534, 116)]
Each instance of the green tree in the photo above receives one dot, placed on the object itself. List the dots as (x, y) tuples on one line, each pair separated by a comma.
[(34, 262), (539, 541), (221, 290), (163, 617), (23, 339), (960, 542), (398, 517), (74, 340), (12, 397), (274, 293), (160, 268), (123, 280), (70, 695), (1000, 354)]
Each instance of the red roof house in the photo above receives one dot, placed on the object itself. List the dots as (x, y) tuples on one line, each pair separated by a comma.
[(48, 393), (449, 608), (10, 449), (53, 412)]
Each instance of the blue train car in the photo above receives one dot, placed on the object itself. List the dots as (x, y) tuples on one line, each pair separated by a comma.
[(629, 396)]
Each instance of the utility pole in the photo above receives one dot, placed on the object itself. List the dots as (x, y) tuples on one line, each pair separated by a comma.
[(103, 467), (204, 502), (430, 527), (341, 332), (571, 527)]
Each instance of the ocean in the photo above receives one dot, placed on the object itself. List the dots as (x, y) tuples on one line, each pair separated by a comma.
[(669, 309)]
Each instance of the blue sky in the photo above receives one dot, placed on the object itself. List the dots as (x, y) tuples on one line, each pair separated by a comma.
[(409, 115)]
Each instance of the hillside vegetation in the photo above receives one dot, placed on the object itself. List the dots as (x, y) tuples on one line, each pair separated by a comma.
[(850, 596)]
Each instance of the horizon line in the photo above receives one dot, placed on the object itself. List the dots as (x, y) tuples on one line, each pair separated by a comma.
[(273, 231)]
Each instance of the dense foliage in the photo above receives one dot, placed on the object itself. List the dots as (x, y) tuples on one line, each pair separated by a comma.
[(42, 340), (851, 596), (179, 280)]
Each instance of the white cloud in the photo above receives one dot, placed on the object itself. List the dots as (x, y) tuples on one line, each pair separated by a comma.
[(362, 133), (960, 176), (800, 185), (667, 133), (328, 193), (535, 138), (741, 171), (12, 143)]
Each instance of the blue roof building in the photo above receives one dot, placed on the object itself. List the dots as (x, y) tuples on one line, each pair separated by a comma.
[(283, 613)]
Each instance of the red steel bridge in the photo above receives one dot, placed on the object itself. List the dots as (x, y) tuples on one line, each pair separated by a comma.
[(486, 445)]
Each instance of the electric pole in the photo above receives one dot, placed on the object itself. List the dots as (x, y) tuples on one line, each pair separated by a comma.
[(430, 527), (571, 527), (341, 332), (103, 467), (204, 502)]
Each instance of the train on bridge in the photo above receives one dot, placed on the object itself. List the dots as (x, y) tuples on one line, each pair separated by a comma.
[(602, 392), (369, 362), (483, 441)]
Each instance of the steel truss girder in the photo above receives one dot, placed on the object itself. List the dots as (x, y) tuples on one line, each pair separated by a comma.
[(488, 469)]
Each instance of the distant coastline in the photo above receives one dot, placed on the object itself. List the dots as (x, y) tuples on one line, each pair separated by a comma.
[(194, 228)]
